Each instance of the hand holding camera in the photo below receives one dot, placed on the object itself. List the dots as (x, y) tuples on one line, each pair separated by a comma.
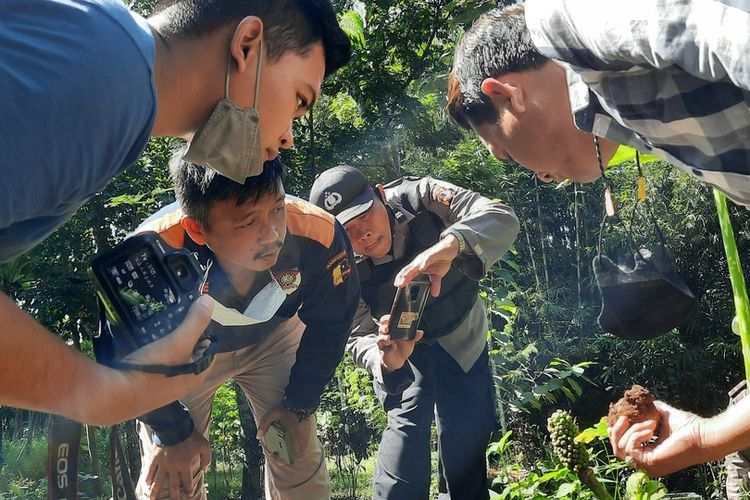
[(146, 288)]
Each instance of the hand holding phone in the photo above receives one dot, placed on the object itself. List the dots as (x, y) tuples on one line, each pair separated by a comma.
[(394, 353), (277, 443), (407, 308)]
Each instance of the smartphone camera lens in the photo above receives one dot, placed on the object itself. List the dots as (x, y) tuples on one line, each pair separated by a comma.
[(413, 293)]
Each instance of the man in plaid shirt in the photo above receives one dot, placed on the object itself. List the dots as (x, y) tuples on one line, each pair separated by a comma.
[(669, 77)]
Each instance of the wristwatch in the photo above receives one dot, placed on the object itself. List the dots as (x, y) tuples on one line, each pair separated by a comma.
[(459, 237), (302, 413)]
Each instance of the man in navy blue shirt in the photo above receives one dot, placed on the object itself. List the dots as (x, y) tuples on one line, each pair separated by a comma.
[(282, 272), (85, 83)]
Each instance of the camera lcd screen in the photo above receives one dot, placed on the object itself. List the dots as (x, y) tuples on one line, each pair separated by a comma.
[(143, 290)]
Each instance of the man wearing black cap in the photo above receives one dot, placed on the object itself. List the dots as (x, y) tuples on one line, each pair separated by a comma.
[(407, 227)]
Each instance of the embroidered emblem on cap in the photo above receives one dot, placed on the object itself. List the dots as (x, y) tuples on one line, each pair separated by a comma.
[(331, 199), (288, 280)]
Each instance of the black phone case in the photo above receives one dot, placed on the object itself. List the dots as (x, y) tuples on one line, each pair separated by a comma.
[(407, 308)]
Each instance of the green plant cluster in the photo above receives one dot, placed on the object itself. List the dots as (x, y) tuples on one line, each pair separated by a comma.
[(563, 430)]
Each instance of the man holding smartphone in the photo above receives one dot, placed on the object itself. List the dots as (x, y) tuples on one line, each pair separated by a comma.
[(408, 227), (281, 273)]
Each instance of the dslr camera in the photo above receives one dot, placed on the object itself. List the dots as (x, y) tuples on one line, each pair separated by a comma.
[(146, 288)]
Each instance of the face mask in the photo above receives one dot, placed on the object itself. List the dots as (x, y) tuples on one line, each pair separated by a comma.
[(261, 308), (229, 141), (643, 302)]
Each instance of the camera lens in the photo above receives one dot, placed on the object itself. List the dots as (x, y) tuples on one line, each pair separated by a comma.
[(413, 294)]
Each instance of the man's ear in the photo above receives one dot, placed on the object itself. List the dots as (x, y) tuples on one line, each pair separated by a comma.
[(505, 89), (246, 43), (381, 190), (194, 229)]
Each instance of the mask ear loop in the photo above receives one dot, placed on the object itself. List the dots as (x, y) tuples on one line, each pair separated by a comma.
[(258, 66)]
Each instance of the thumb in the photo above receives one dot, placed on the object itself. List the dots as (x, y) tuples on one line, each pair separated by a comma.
[(177, 347), (265, 423), (205, 458), (435, 281)]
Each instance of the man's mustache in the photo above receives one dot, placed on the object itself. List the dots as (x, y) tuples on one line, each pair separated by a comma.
[(272, 248)]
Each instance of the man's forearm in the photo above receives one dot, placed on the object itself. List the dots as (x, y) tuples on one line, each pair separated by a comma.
[(727, 432), (39, 372)]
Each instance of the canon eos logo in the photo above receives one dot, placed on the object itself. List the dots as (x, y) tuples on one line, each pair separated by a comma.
[(62, 465)]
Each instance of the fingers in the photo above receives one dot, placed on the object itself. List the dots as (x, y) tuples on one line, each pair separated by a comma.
[(418, 336), (151, 474), (178, 346), (627, 440), (615, 432), (435, 282), (186, 336), (384, 325), (408, 273), (266, 422), (155, 486), (639, 433), (174, 486)]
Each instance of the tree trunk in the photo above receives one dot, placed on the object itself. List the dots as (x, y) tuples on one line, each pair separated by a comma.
[(541, 231), (252, 472), (576, 216), (2, 431), (18, 424), (532, 258)]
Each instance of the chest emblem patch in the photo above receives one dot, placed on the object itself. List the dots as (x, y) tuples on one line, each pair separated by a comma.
[(288, 280)]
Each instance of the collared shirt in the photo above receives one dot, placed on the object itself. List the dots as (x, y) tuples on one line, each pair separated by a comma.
[(668, 77), (489, 228), (315, 268)]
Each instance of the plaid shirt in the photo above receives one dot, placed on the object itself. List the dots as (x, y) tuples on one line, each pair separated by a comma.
[(669, 77)]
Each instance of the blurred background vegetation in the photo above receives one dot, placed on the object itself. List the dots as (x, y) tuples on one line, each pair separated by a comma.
[(385, 114)]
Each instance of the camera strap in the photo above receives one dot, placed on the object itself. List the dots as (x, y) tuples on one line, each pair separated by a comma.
[(63, 447)]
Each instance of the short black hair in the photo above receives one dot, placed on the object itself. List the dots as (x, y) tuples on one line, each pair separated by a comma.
[(198, 187), (289, 25), (497, 43)]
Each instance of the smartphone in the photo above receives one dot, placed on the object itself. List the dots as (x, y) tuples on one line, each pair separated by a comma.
[(407, 308), (277, 442)]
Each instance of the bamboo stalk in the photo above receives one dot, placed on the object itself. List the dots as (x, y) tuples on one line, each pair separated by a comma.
[(739, 290)]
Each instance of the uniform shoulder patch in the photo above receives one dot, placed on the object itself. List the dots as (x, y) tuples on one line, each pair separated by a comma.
[(309, 221), (442, 194), (340, 268)]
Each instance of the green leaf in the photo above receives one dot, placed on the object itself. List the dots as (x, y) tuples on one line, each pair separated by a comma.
[(565, 490), (354, 27), (596, 431), (627, 153)]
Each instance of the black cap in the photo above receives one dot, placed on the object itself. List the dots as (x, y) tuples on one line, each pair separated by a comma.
[(342, 191)]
